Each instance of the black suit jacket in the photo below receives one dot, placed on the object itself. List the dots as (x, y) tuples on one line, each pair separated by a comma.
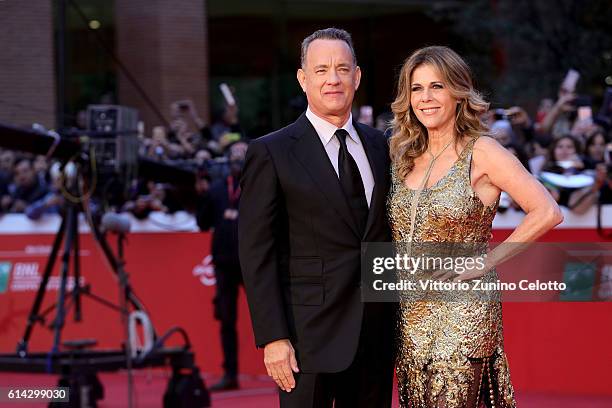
[(300, 247), (210, 208)]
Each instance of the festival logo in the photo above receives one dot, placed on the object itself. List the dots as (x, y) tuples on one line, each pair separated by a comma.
[(205, 271), (5, 273), (580, 280)]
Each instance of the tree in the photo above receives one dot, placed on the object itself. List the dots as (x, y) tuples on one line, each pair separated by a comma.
[(520, 50)]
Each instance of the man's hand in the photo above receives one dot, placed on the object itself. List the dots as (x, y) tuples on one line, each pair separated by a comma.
[(279, 358), (564, 103), (519, 117)]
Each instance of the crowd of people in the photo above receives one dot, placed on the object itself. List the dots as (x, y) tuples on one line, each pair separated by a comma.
[(563, 144), (35, 185)]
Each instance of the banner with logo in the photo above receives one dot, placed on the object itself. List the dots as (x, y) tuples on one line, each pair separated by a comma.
[(559, 346), (171, 273)]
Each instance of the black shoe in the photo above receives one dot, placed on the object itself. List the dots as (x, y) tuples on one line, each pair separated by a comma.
[(225, 384)]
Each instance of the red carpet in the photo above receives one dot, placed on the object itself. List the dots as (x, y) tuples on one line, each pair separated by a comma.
[(256, 392)]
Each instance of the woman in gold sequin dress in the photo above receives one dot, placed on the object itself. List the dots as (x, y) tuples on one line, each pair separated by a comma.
[(446, 184)]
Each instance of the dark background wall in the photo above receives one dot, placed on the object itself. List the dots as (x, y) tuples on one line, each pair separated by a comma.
[(27, 73), (519, 51)]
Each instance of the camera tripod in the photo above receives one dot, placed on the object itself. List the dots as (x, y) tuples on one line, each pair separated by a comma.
[(69, 228), (68, 233)]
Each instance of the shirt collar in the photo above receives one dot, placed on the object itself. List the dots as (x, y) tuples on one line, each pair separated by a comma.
[(326, 130)]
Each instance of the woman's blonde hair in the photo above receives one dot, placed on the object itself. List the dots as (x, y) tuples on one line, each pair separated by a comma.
[(409, 137)]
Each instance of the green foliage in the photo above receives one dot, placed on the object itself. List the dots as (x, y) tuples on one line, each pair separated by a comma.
[(520, 50)]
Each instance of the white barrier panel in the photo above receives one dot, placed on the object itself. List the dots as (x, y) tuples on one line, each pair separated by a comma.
[(511, 218), (156, 222), (185, 222)]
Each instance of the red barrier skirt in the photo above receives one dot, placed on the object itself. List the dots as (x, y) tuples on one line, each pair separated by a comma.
[(558, 347)]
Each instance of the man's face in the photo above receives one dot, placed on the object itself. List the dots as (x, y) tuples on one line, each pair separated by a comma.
[(330, 78), (159, 135), (7, 161), (24, 174)]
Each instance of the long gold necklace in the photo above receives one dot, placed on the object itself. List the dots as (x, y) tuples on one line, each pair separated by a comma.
[(431, 164), (417, 193)]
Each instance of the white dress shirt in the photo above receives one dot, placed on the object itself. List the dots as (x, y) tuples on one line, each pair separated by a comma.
[(326, 131)]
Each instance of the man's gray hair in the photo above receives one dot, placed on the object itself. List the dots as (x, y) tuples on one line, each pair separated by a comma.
[(328, 34)]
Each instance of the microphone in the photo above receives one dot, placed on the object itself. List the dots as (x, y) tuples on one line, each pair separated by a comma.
[(117, 223)]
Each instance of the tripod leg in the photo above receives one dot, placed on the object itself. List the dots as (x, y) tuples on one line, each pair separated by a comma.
[(60, 315), (115, 265), (123, 301), (76, 291), (22, 345)]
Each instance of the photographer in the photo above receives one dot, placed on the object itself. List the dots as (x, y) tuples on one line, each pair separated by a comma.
[(558, 121), (597, 159), (187, 129), (501, 129), (522, 125), (158, 147), (150, 196), (50, 203), (7, 164), (227, 122), (580, 201), (595, 148), (217, 210), (505, 201), (539, 155), (25, 189), (563, 158)]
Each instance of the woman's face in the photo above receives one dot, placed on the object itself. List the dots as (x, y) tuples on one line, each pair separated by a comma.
[(597, 148), (431, 100), (564, 150)]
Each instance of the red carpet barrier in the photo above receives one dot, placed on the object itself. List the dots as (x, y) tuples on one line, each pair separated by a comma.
[(167, 271), (560, 347)]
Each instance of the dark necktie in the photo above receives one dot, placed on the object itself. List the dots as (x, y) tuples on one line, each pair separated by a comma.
[(350, 180)]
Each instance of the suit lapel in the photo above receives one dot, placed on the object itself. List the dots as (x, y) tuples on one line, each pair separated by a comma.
[(311, 154), (375, 154)]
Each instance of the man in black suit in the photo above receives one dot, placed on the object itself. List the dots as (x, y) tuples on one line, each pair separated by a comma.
[(312, 192), (217, 209)]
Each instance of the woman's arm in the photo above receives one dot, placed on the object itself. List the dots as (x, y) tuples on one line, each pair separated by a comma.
[(495, 169), (552, 116)]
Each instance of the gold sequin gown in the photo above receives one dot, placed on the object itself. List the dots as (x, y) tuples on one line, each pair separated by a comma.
[(450, 353)]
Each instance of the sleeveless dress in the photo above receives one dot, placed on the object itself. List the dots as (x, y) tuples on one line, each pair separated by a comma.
[(449, 353)]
